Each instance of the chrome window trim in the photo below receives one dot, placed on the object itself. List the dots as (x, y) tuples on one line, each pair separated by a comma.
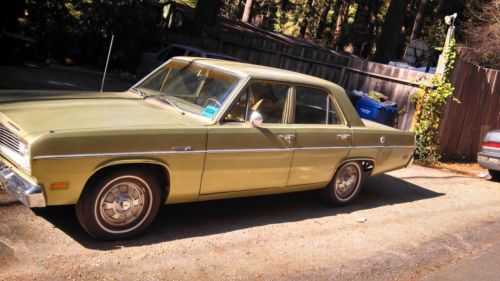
[(167, 152)]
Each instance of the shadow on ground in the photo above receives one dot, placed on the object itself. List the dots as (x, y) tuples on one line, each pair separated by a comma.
[(206, 218)]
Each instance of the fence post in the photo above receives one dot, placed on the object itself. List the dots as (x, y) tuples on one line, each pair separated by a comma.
[(221, 42), (277, 60), (342, 76)]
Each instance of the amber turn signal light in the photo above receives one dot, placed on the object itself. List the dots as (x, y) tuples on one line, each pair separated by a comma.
[(59, 185)]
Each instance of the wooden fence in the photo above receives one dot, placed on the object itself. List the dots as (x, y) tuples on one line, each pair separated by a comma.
[(465, 124), (349, 72)]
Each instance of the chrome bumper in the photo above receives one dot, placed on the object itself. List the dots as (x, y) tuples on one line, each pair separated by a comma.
[(19, 188), (488, 161)]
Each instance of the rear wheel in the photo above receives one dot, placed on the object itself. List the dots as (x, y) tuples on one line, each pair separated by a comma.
[(495, 175), (345, 185), (119, 204)]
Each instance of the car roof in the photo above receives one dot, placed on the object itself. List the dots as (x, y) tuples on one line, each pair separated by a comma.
[(261, 72), (202, 52)]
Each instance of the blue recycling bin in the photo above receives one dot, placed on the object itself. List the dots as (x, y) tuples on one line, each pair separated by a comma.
[(376, 111)]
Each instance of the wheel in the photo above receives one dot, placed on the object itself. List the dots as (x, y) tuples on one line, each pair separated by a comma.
[(495, 175), (119, 204), (345, 184)]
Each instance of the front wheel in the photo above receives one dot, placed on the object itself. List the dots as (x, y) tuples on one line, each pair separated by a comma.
[(345, 185), (119, 204)]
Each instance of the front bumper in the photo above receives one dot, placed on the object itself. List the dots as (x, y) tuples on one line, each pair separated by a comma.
[(22, 190), (488, 161)]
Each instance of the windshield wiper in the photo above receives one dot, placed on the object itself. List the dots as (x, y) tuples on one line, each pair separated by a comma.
[(165, 98), (143, 95)]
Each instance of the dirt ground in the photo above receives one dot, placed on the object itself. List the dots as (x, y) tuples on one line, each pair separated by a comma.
[(418, 221)]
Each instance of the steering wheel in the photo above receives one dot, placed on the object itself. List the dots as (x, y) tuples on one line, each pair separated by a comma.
[(212, 100)]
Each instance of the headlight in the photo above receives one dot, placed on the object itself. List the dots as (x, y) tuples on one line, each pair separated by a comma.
[(22, 158), (24, 151), (23, 148)]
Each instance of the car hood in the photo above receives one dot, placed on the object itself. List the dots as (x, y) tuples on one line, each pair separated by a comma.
[(32, 112)]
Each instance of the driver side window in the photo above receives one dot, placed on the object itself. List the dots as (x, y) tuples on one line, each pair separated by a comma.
[(268, 98)]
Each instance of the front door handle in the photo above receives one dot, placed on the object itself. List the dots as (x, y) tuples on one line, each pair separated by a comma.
[(182, 148), (344, 136)]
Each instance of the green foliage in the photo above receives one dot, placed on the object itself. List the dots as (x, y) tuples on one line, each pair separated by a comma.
[(79, 31), (431, 102)]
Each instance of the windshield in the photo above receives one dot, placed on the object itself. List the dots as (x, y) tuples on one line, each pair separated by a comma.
[(190, 87)]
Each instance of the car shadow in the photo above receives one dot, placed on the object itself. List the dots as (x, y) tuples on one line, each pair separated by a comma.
[(187, 220)]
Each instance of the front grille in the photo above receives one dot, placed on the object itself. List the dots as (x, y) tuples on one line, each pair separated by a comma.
[(9, 139)]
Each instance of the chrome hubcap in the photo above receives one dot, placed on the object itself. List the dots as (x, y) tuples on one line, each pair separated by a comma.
[(347, 181), (122, 204)]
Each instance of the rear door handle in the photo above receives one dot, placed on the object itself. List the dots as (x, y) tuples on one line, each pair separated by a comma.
[(344, 136), (289, 137)]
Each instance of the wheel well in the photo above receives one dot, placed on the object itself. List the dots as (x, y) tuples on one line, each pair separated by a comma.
[(368, 166), (159, 171)]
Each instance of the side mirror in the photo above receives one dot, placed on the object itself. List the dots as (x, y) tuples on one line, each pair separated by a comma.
[(256, 119)]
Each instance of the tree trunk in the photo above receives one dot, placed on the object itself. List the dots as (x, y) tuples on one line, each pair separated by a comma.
[(389, 41), (236, 14), (361, 19), (305, 20), (205, 15), (336, 11), (322, 21), (419, 20), (285, 5), (343, 12), (362, 11), (372, 22), (247, 12)]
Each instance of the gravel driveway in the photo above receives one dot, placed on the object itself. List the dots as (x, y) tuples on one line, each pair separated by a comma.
[(417, 220)]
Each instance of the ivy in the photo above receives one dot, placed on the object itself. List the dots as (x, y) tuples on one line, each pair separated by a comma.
[(431, 101)]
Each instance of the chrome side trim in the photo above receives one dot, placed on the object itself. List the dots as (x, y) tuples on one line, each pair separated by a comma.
[(382, 146), (248, 150), (321, 148), (111, 154), (143, 153), (87, 155)]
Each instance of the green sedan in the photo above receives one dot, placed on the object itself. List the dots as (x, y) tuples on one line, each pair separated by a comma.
[(194, 129)]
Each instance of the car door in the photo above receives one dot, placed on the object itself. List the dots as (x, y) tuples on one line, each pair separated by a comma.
[(244, 157), (323, 138)]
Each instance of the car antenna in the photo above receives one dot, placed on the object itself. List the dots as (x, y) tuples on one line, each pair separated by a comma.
[(107, 62)]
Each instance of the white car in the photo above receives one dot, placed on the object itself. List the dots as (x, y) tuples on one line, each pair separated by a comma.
[(489, 157)]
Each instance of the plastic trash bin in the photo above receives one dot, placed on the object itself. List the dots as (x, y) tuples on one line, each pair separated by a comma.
[(383, 113)]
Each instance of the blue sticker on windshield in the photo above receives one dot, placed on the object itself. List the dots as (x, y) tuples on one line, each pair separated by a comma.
[(210, 111)]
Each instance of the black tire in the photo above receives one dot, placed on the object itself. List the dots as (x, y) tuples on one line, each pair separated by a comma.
[(335, 193), (133, 195), (495, 175)]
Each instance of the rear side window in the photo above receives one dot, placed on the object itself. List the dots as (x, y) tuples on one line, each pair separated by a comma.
[(314, 106)]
